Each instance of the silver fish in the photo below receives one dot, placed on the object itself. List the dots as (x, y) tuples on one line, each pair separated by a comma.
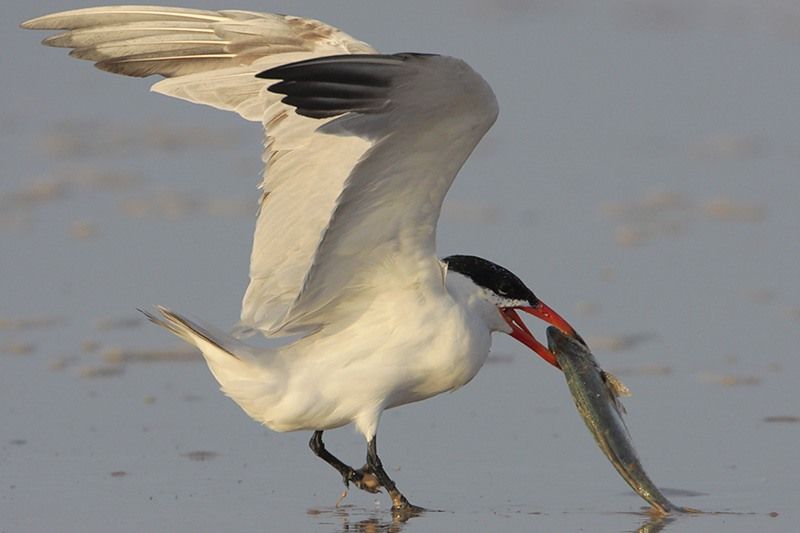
[(596, 394)]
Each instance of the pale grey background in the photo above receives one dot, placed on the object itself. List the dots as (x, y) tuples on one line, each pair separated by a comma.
[(642, 178)]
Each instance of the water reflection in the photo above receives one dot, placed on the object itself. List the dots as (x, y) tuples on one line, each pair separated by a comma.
[(352, 518), (655, 523)]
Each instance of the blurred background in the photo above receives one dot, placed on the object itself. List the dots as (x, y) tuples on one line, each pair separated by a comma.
[(642, 178)]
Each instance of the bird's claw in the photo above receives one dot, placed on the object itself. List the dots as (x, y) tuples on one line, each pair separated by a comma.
[(403, 510), (364, 479), (342, 496)]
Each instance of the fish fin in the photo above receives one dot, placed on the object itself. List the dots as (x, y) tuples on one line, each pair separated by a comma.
[(617, 389)]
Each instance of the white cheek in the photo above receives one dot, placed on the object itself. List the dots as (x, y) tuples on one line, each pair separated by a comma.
[(499, 301)]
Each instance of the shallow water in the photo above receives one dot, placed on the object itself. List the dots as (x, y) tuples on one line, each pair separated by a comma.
[(642, 178)]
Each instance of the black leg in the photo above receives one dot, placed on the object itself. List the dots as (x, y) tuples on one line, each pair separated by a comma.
[(400, 505), (364, 479)]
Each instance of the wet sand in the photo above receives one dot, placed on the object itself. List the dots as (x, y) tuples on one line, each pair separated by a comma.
[(642, 178)]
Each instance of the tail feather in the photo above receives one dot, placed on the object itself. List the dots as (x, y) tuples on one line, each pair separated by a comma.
[(247, 375), (194, 333)]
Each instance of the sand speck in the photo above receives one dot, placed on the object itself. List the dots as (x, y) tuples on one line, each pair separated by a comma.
[(782, 419), (731, 380), (727, 209), (90, 346), (21, 324), (200, 455), (82, 230), (587, 308), (17, 348), (101, 371), (119, 356), (131, 322), (618, 343), (61, 363), (645, 370)]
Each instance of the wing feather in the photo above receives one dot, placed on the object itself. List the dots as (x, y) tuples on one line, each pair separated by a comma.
[(360, 148), (209, 57), (430, 112)]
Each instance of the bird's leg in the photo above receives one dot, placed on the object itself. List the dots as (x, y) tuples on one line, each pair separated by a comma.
[(363, 478), (400, 505)]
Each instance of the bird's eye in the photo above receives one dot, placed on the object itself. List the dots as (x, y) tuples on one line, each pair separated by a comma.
[(504, 289)]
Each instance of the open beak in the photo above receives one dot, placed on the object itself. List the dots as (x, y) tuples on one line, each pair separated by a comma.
[(521, 332)]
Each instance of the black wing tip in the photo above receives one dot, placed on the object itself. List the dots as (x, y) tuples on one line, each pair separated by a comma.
[(282, 71), (330, 86)]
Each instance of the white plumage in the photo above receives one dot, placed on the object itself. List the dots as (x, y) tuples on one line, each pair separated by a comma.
[(309, 246), (359, 155)]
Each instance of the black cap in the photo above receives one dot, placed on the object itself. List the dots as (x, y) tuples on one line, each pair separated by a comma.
[(491, 276)]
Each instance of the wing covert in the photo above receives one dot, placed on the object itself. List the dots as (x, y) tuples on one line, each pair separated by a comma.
[(360, 148), (420, 116)]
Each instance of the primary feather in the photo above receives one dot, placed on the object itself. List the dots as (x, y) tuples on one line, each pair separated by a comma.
[(360, 150)]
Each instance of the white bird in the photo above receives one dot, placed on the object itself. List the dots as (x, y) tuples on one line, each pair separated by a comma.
[(360, 151)]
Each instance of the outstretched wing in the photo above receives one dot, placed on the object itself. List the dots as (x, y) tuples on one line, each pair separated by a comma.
[(360, 149), (421, 116), (210, 57)]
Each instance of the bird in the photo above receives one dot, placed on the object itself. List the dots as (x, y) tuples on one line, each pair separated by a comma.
[(360, 150)]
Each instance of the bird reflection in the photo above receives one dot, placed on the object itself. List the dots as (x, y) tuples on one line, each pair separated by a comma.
[(350, 518)]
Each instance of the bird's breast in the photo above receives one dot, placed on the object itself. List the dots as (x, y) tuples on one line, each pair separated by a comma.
[(439, 349), (411, 343)]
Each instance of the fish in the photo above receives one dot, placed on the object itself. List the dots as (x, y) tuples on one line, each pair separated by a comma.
[(596, 394)]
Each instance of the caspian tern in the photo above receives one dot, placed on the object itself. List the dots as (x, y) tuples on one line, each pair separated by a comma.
[(360, 150)]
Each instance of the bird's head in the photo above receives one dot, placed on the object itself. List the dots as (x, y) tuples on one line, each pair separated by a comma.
[(508, 294)]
